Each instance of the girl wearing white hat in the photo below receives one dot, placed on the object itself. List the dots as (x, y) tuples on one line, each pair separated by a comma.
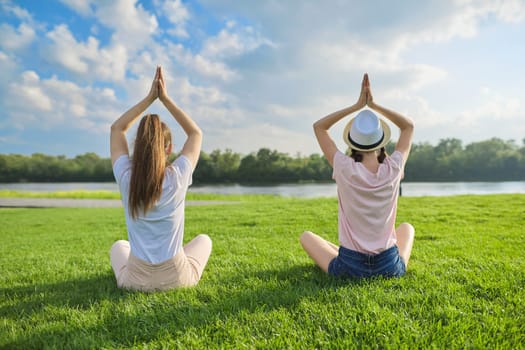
[(367, 187)]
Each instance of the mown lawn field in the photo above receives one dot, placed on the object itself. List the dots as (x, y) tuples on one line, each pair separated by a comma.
[(464, 287)]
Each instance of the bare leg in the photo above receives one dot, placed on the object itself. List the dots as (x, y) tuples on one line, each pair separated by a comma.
[(118, 255), (405, 240), (336, 247), (198, 251), (319, 249)]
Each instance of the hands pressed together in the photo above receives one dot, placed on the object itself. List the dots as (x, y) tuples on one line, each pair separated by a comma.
[(158, 87), (365, 97)]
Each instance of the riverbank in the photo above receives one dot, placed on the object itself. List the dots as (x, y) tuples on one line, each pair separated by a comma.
[(13, 202), (302, 190)]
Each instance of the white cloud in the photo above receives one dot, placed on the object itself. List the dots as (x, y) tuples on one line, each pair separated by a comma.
[(66, 51), (494, 107), (133, 26), (512, 11), (81, 6), (234, 40), (49, 103), (177, 14), (208, 104), (20, 13), (210, 68), (8, 70), (25, 100), (28, 94), (86, 59), (352, 56), (132, 29), (461, 21), (199, 64), (489, 114), (4, 58), (198, 95), (247, 139), (13, 39), (497, 116), (211, 60)]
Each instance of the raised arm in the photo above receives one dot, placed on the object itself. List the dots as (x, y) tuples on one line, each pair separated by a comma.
[(322, 126), (193, 144), (118, 143), (405, 125)]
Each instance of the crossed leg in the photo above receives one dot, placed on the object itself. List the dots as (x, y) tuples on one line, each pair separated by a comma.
[(319, 249), (323, 252), (198, 251), (118, 255), (405, 240)]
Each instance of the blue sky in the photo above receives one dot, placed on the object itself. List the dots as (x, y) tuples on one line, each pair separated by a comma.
[(258, 73)]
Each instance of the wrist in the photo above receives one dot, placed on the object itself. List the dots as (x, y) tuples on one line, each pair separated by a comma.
[(165, 99), (150, 98), (355, 107)]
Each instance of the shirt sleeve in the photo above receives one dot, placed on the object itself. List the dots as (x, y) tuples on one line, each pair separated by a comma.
[(120, 167), (397, 158), (184, 170), (340, 161)]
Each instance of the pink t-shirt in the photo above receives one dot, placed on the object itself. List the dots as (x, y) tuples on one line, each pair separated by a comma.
[(367, 202)]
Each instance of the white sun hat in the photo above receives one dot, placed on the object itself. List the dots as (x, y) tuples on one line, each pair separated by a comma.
[(366, 132)]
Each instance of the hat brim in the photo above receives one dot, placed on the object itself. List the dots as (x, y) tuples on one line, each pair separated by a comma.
[(386, 136)]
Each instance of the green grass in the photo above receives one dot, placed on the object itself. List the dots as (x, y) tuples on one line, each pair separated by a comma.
[(80, 194), (464, 287), (83, 194)]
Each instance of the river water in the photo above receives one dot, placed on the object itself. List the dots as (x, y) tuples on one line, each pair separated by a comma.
[(308, 190)]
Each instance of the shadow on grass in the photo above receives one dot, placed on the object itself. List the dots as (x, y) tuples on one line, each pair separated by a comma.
[(143, 317), (73, 293), (258, 292), (37, 309)]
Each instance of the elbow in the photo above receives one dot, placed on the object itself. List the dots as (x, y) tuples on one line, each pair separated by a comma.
[(409, 126), (114, 127), (117, 127), (412, 125), (319, 129), (411, 122), (198, 132), (195, 133)]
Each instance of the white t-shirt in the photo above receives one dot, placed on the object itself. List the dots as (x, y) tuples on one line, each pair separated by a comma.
[(367, 202), (157, 236)]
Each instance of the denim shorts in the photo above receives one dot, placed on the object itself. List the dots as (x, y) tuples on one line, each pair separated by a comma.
[(350, 263)]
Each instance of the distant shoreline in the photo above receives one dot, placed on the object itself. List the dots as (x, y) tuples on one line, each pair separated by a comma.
[(304, 190), (84, 203)]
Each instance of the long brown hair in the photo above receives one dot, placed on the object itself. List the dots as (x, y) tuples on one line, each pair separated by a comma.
[(148, 164)]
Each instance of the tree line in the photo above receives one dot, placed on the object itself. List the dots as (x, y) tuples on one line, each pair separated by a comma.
[(449, 160)]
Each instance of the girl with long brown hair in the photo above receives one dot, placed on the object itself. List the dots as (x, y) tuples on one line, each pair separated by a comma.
[(153, 195)]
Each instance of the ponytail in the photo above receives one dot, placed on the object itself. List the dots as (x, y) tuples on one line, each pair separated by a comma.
[(382, 155), (358, 157), (148, 164)]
